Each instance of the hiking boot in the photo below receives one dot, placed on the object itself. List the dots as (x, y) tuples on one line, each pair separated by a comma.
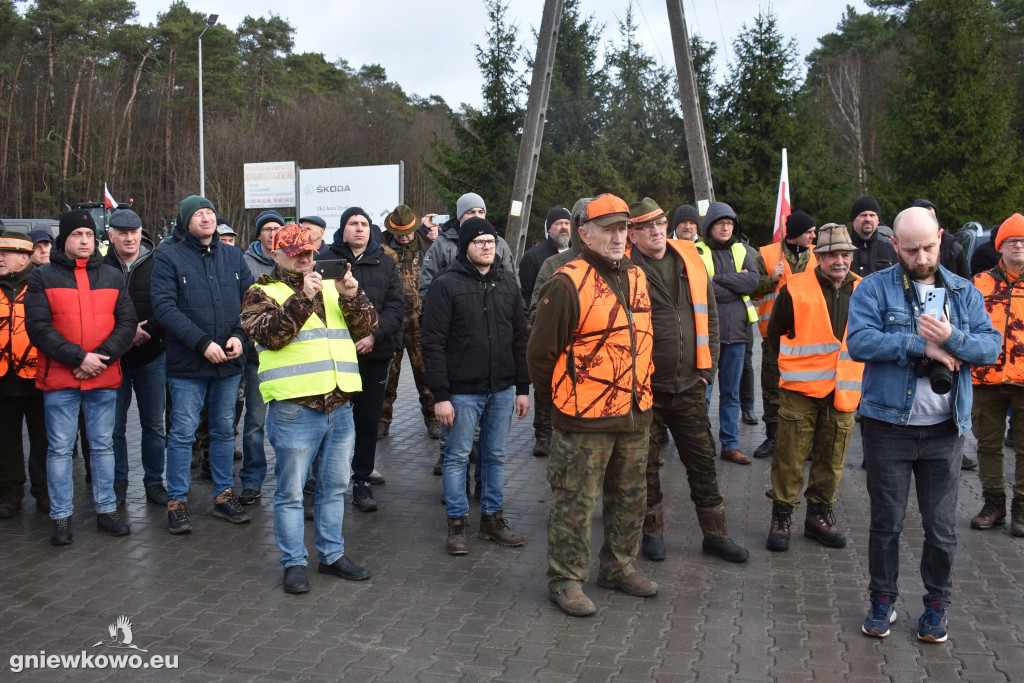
[(439, 465), (8, 507), (112, 523), (61, 533), (226, 506), (932, 627), (346, 569), (735, 455), (376, 478), (156, 494), (542, 447), (749, 417), (43, 504), (383, 429), (249, 496), (120, 492), (767, 447), (295, 580), (993, 512), (652, 542), (434, 430), (362, 496), (573, 601), (457, 543), (968, 463), (495, 528), (820, 524), (1017, 517), (778, 535), (880, 616), (634, 585), (717, 540), (178, 521)]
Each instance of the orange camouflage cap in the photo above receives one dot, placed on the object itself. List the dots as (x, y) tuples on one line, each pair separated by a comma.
[(293, 240)]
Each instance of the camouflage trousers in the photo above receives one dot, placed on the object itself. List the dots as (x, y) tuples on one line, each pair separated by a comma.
[(412, 342), (769, 383), (809, 426), (685, 415), (582, 467)]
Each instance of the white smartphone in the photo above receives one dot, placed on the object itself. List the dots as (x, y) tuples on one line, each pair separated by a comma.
[(935, 303)]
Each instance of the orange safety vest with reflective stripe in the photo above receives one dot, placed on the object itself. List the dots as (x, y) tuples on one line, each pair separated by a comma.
[(772, 254), (608, 363), (698, 279), (15, 347), (1005, 305), (815, 363)]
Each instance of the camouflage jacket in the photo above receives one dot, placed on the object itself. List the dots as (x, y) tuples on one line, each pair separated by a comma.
[(409, 258)]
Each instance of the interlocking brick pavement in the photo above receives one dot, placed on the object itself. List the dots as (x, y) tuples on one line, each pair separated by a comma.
[(213, 597)]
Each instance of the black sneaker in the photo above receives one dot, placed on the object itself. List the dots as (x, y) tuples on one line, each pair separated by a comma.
[(112, 523), (120, 492), (439, 465), (346, 569), (226, 506), (178, 521), (249, 496), (61, 534), (156, 494), (362, 496)]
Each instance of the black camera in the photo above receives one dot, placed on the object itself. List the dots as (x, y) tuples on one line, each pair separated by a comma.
[(939, 376)]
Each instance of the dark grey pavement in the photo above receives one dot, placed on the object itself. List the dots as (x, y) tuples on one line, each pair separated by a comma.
[(214, 597)]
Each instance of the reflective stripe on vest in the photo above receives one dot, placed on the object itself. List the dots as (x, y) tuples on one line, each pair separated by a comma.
[(772, 254), (739, 252), (15, 347), (814, 362), (1005, 305), (697, 276), (608, 364), (318, 360)]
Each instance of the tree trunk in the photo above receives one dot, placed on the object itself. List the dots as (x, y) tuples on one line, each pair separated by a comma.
[(71, 120), (127, 112)]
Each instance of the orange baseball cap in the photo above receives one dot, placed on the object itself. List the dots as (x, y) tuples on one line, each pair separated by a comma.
[(606, 209)]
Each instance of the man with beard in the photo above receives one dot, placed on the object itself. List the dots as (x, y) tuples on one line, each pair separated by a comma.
[(686, 222), (818, 391), (914, 419), (874, 251)]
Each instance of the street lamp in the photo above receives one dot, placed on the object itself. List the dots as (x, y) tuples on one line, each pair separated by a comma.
[(210, 21)]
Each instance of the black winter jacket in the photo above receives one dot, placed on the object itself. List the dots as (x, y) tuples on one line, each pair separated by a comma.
[(474, 333), (137, 283), (530, 266), (197, 296), (872, 255)]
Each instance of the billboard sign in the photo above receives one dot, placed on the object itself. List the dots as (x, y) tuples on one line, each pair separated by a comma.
[(329, 192), (270, 185)]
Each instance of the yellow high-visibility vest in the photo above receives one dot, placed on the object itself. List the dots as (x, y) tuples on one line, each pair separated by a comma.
[(739, 252)]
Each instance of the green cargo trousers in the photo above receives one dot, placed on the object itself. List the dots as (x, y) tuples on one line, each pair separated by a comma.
[(582, 467), (686, 416), (988, 417)]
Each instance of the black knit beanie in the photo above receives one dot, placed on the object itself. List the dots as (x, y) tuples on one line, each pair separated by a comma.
[(556, 213), (71, 221), (797, 223), (472, 229), (862, 204)]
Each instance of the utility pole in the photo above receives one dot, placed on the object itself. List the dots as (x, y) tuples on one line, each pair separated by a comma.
[(533, 129), (696, 144)]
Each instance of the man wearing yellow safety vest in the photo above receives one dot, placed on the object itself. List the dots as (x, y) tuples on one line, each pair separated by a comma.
[(308, 370), (780, 259), (818, 390), (685, 321), (734, 277)]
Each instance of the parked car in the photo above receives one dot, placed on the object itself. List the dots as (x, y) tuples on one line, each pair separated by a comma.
[(26, 224)]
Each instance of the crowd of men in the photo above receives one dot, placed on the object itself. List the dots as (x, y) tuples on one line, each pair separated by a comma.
[(620, 320)]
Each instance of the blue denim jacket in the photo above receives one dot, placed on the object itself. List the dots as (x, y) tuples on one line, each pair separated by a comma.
[(882, 333)]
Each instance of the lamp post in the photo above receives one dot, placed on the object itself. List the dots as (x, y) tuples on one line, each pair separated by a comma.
[(210, 21)]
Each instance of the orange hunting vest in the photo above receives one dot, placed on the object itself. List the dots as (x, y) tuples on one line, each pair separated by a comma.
[(697, 275), (815, 363), (772, 254), (1005, 304), (608, 362), (15, 347)]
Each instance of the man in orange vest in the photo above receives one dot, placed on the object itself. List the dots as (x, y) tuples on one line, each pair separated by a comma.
[(780, 260), (591, 351), (1001, 386), (20, 400), (818, 390), (685, 321)]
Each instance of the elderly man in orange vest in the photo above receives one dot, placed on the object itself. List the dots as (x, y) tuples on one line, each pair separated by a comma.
[(685, 321), (818, 391), (590, 351)]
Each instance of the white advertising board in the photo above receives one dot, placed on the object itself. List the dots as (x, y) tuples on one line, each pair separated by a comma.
[(328, 192), (269, 185)]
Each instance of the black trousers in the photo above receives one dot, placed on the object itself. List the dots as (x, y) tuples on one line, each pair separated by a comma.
[(12, 453), (367, 407)]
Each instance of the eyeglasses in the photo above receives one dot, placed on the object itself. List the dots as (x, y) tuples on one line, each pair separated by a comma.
[(484, 243), (270, 228), (1013, 241), (661, 224)]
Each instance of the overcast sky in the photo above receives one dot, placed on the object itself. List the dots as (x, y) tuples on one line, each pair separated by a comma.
[(428, 47)]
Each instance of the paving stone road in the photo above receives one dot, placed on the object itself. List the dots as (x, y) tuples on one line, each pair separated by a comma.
[(213, 598)]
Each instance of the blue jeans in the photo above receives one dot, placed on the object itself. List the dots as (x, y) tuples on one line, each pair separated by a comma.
[(303, 438), (148, 383), (932, 454), (62, 430), (730, 371), (187, 398), (494, 414), (254, 454)]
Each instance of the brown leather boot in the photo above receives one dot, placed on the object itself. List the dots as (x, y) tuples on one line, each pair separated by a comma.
[(652, 543), (735, 455), (495, 528), (778, 535), (458, 544), (717, 540), (993, 512), (820, 525), (1017, 516)]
